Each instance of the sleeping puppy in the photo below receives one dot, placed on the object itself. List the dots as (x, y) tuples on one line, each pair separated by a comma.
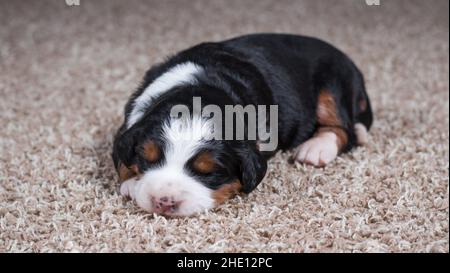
[(175, 163)]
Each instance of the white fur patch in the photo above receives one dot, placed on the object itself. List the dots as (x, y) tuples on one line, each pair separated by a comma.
[(362, 136), (181, 74), (183, 138), (319, 150)]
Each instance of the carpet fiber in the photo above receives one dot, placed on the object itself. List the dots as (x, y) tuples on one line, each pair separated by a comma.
[(66, 73)]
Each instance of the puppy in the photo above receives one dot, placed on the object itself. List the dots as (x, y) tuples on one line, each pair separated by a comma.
[(170, 164)]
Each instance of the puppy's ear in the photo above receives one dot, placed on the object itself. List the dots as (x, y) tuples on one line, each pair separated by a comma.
[(124, 147), (253, 165)]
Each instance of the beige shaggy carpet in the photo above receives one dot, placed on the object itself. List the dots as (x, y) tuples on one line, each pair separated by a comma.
[(66, 72)]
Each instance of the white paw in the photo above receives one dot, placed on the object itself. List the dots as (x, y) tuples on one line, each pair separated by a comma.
[(362, 135), (319, 150), (127, 188)]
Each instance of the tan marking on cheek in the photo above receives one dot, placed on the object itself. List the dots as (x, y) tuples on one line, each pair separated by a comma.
[(151, 151), (328, 119), (204, 163), (127, 173), (226, 192), (135, 169)]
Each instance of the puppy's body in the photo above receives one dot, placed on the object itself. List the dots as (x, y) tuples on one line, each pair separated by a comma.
[(323, 110)]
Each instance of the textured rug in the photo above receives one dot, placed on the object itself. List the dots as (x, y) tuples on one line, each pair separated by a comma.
[(66, 72)]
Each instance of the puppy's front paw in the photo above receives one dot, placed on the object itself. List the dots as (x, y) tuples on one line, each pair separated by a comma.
[(319, 150), (127, 188)]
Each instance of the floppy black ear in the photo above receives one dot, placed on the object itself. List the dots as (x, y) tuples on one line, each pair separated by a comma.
[(253, 166), (124, 147)]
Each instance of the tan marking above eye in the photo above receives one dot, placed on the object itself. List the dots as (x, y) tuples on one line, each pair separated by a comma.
[(226, 192), (151, 151), (204, 163)]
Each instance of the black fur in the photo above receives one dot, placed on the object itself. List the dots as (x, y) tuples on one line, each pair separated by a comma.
[(260, 69)]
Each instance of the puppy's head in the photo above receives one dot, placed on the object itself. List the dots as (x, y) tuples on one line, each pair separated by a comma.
[(173, 167)]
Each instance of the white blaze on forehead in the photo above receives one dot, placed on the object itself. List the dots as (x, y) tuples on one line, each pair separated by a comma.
[(180, 74), (184, 136)]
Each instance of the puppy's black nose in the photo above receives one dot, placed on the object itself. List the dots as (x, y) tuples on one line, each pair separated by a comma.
[(164, 205)]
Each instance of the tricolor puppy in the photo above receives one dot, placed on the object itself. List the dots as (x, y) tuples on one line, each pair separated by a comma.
[(171, 165)]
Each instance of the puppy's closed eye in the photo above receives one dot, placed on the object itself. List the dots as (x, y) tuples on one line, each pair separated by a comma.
[(204, 163), (151, 151)]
